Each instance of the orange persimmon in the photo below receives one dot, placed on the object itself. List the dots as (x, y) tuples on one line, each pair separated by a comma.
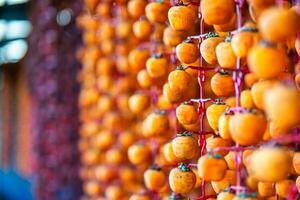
[(208, 48), (187, 113), (142, 29), (278, 24), (157, 65), (187, 52), (157, 12), (181, 17), (211, 10), (212, 167), (266, 60), (185, 146), (225, 55), (182, 179), (136, 8), (269, 164), (213, 113), (154, 178), (139, 154), (247, 128), (156, 124), (222, 84)]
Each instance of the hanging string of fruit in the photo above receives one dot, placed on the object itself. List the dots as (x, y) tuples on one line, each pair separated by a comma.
[(52, 70), (203, 92)]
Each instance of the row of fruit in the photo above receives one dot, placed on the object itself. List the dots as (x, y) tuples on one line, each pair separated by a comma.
[(51, 63), (190, 99)]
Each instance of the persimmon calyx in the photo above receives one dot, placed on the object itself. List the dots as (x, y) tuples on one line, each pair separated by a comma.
[(155, 167), (211, 34), (183, 167), (266, 43), (249, 29), (160, 112), (213, 155), (184, 134), (180, 67), (157, 55), (219, 102), (228, 39)]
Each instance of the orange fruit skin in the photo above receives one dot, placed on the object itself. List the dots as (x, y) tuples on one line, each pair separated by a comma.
[(182, 182), (142, 29), (179, 80), (222, 85), (137, 59), (156, 124), (297, 45), (114, 156), (246, 99), (139, 197), (139, 154), (269, 164), (139, 103), (127, 174), (104, 173), (157, 67), (260, 59), (114, 192), (171, 95), (223, 126), (198, 179), (242, 43), (298, 183), (283, 99), (278, 24), (228, 179), (211, 10), (187, 53), (247, 128), (172, 37), (136, 8), (91, 4), (225, 55), (154, 179), (213, 113), (266, 189), (187, 114), (144, 79), (157, 12), (258, 91), (229, 26), (225, 196), (283, 187), (250, 79), (211, 169), (169, 153), (215, 142), (208, 49), (185, 147), (252, 183), (181, 17), (92, 188), (296, 162)]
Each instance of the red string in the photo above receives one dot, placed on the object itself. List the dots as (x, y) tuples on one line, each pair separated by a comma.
[(238, 76)]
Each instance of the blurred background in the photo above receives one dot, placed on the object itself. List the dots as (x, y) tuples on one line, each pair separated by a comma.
[(38, 126)]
